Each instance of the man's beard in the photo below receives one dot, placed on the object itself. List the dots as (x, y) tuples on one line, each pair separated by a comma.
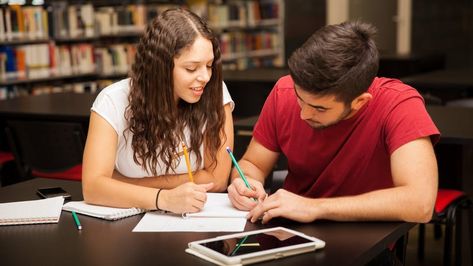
[(316, 125)]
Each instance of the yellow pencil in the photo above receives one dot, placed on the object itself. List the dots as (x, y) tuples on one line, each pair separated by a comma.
[(188, 162)]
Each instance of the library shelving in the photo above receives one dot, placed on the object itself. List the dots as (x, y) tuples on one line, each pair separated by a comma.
[(84, 45), (70, 45), (251, 33)]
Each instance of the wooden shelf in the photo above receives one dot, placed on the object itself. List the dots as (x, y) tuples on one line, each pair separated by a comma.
[(24, 41), (250, 54), (22, 81)]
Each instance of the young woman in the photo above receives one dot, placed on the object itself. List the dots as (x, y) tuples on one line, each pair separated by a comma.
[(133, 156)]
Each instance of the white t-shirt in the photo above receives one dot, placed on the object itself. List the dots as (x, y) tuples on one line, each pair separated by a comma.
[(111, 104)]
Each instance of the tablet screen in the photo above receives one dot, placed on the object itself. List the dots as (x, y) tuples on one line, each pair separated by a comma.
[(256, 242)]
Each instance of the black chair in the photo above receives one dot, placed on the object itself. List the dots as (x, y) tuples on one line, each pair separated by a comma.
[(449, 208), (47, 148)]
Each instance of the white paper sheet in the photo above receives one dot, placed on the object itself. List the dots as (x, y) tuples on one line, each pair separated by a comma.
[(158, 222), (218, 215)]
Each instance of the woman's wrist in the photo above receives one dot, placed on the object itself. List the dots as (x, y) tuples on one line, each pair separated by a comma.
[(161, 200), (157, 199)]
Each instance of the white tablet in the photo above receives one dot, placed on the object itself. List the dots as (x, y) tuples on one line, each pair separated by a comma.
[(254, 246)]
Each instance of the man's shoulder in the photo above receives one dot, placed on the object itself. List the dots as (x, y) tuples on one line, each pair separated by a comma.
[(392, 90), (391, 85), (285, 85), (285, 82)]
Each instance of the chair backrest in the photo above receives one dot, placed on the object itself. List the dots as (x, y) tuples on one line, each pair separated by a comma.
[(45, 146)]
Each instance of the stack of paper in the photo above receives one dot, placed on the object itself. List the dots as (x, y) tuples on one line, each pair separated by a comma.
[(218, 215)]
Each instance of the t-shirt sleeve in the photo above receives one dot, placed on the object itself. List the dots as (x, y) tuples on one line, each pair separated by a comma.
[(107, 109), (227, 98), (265, 129), (409, 121)]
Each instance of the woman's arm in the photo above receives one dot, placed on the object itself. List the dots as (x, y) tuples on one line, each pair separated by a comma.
[(219, 172), (101, 185)]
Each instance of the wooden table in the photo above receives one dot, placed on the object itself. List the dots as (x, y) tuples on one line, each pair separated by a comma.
[(104, 242)]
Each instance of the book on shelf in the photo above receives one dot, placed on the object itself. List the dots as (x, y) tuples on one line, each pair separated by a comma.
[(46, 59), (73, 21), (31, 211), (23, 23)]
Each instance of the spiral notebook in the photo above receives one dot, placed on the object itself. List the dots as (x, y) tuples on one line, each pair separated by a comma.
[(31, 211), (107, 213)]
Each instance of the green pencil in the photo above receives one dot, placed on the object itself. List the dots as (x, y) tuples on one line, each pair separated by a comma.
[(238, 168), (76, 220)]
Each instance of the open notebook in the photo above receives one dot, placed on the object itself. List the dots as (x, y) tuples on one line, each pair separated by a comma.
[(218, 215), (107, 213), (31, 212)]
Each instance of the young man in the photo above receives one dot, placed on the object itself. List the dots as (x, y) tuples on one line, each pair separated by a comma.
[(359, 147)]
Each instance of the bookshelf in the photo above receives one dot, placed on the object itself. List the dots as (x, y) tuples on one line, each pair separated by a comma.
[(251, 32), (78, 46), (82, 46)]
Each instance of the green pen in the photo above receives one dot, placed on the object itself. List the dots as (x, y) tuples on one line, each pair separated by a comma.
[(238, 168), (76, 220)]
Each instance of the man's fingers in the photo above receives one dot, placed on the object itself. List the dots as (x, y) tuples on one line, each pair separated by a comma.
[(270, 214), (269, 204)]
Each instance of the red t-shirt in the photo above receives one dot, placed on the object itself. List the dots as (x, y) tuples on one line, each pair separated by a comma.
[(352, 156)]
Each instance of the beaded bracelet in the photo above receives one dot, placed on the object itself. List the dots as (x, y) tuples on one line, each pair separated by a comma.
[(157, 197)]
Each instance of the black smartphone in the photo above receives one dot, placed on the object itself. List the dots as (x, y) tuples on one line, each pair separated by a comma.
[(50, 192)]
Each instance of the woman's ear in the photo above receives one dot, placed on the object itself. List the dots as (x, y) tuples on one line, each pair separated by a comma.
[(361, 100)]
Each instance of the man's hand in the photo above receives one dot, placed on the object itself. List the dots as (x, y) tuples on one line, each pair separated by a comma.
[(284, 204), (244, 198)]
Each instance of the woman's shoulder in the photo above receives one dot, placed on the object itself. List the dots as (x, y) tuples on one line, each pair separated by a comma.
[(118, 88), (115, 95), (117, 92)]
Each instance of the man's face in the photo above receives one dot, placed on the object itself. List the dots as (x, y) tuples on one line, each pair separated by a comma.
[(321, 112)]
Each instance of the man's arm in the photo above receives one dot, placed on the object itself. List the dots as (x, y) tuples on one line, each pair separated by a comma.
[(415, 178), (256, 164)]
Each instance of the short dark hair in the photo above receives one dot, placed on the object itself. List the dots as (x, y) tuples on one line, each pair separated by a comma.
[(340, 60)]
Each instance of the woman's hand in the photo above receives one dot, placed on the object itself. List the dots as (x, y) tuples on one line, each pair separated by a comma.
[(188, 197)]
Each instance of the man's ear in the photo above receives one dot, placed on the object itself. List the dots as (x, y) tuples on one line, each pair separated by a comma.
[(361, 100)]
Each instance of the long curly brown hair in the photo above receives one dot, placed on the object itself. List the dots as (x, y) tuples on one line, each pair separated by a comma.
[(155, 121)]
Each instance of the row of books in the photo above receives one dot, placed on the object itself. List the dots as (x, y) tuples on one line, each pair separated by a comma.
[(23, 22), (9, 92), (243, 13), (114, 59), (73, 21), (64, 20), (35, 61), (243, 63), (232, 43)]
